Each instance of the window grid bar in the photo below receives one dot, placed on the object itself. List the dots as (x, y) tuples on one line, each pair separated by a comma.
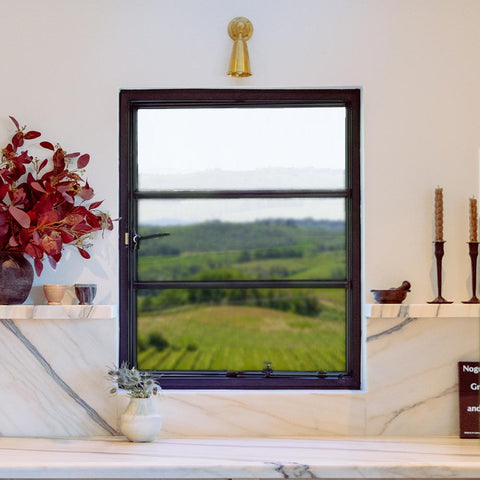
[(342, 381), (149, 285), (181, 194)]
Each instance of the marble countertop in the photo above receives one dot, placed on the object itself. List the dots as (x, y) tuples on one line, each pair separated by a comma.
[(365, 457)]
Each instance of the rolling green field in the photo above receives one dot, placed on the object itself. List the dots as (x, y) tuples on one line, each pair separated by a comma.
[(241, 338), (240, 329)]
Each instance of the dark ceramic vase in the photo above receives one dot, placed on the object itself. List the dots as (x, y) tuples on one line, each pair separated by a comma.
[(16, 278)]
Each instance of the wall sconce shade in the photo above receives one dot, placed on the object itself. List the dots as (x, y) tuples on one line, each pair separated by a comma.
[(240, 30)]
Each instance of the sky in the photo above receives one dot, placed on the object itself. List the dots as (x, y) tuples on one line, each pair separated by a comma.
[(249, 148)]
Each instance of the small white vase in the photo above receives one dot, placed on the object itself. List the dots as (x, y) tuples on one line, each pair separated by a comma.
[(141, 422)]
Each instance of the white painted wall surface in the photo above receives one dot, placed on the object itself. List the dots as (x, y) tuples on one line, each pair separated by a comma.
[(417, 61)]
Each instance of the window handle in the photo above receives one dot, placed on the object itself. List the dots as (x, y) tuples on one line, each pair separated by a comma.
[(268, 370), (136, 237)]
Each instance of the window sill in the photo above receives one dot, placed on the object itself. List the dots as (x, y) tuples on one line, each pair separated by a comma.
[(360, 457), (422, 310)]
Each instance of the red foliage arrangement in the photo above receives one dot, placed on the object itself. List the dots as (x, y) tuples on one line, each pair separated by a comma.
[(44, 203)]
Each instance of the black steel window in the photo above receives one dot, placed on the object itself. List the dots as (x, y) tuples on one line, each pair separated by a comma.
[(240, 237)]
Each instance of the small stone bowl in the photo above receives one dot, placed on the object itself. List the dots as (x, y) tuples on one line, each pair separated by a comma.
[(85, 293), (392, 295)]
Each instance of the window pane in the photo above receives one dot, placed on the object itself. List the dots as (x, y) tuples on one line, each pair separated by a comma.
[(241, 148), (240, 329), (242, 239)]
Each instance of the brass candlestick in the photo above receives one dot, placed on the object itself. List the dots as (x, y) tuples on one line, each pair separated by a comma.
[(473, 252), (439, 256)]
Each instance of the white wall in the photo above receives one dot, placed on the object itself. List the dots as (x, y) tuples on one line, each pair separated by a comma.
[(417, 61)]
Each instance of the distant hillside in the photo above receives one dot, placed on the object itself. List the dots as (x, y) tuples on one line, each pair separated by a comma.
[(263, 234), (261, 178)]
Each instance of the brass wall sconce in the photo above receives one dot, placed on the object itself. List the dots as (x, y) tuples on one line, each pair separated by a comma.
[(240, 30)]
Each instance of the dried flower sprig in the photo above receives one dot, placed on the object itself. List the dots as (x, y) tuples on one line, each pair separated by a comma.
[(137, 384)]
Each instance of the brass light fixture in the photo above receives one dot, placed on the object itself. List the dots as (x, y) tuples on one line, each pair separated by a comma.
[(240, 30)]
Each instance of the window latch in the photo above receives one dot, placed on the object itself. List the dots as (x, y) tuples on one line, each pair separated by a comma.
[(268, 370), (136, 237)]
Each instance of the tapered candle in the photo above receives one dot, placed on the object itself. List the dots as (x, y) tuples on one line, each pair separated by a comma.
[(439, 214), (473, 220)]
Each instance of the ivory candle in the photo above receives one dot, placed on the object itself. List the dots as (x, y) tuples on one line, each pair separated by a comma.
[(439, 214), (473, 220)]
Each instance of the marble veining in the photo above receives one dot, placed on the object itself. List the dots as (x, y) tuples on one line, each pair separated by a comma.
[(412, 373), (240, 458), (391, 330), (10, 325), (406, 408), (296, 470), (53, 374)]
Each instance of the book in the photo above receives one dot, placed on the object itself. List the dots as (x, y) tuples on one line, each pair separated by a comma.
[(469, 401)]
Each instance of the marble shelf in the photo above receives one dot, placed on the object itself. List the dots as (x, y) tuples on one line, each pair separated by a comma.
[(422, 310), (20, 312), (360, 457)]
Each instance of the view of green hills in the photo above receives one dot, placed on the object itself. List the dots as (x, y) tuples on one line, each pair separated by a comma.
[(241, 328)]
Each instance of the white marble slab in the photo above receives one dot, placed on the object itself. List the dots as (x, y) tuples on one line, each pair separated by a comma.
[(412, 384), (240, 458), (259, 414), (53, 374), (54, 360)]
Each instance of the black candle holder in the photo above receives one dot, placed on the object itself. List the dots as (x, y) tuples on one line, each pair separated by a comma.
[(439, 255), (473, 252)]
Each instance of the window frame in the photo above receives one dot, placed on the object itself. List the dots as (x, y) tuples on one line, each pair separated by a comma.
[(133, 100)]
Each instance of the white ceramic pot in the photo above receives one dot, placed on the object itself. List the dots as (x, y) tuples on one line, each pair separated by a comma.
[(141, 422)]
